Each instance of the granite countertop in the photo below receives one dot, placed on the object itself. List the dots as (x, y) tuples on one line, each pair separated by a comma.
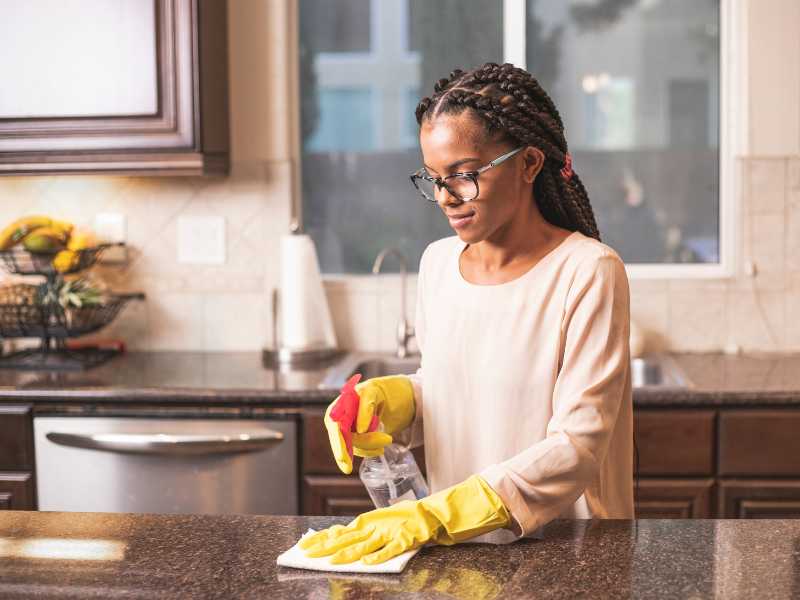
[(103, 555), (172, 377), (240, 379)]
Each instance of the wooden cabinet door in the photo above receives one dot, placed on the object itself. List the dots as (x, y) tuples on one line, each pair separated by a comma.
[(16, 491), (675, 443), (332, 495), (16, 438), (125, 86), (675, 499), (759, 443), (759, 499)]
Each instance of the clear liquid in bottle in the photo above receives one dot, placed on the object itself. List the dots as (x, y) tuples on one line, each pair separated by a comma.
[(392, 477)]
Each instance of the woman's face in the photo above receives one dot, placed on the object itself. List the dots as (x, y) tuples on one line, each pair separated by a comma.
[(455, 144)]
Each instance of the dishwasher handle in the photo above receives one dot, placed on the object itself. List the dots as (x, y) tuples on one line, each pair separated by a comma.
[(169, 444)]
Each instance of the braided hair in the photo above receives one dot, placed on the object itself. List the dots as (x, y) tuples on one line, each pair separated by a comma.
[(512, 105)]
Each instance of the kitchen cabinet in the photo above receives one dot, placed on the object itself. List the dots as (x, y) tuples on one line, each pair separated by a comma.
[(16, 491), (674, 446), (17, 482), (759, 464), (114, 87), (735, 463), (693, 463)]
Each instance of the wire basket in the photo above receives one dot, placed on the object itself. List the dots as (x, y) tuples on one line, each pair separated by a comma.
[(44, 321), (23, 262)]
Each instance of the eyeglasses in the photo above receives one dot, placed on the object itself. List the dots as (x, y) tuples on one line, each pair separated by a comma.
[(463, 186)]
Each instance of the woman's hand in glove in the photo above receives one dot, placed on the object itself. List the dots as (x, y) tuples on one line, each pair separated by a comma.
[(391, 399), (455, 514)]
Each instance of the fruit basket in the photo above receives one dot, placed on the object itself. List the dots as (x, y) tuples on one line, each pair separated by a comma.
[(59, 308), (21, 320), (22, 262)]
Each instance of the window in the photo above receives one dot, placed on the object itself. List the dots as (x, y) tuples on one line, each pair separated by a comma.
[(637, 83), (360, 84)]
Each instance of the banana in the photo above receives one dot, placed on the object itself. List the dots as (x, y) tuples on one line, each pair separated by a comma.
[(65, 261), (14, 233), (64, 226), (44, 240), (81, 239)]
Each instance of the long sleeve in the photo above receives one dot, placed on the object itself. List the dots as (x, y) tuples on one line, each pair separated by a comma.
[(541, 482)]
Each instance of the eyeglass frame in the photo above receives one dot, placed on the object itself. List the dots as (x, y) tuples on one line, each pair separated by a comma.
[(440, 182)]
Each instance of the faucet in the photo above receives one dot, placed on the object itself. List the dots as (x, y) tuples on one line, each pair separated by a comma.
[(404, 331)]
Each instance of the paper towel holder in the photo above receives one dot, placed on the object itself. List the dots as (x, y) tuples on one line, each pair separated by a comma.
[(283, 357)]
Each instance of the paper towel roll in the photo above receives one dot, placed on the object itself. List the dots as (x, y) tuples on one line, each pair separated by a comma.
[(305, 319)]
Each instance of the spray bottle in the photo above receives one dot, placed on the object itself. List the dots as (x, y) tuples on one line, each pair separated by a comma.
[(390, 477)]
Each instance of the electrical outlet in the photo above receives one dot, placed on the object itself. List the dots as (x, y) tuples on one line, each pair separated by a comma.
[(201, 240), (112, 228)]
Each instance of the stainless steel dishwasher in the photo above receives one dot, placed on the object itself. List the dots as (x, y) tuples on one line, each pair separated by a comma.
[(157, 465)]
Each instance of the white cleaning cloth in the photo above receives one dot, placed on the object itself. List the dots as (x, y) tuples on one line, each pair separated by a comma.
[(295, 557)]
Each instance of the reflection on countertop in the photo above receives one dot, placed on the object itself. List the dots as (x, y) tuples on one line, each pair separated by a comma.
[(171, 376), (240, 378), (95, 555)]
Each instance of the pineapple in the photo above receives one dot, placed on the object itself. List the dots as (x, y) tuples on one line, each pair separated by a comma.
[(19, 293), (19, 305), (70, 296)]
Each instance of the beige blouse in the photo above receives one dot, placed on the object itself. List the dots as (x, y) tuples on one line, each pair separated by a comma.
[(527, 383)]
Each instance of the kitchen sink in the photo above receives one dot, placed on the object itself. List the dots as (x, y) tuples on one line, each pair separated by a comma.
[(656, 370), (369, 365), (377, 367)]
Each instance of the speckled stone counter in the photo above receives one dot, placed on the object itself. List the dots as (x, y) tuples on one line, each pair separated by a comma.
[(172, 378), (87, 555), (729, 380), (239, 381)]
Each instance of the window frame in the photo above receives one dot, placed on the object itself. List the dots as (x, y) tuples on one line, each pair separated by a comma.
[(733, 142)]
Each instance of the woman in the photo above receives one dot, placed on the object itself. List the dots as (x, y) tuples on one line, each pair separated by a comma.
[(523, 325)]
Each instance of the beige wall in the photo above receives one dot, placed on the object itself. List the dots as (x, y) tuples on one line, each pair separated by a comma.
[(227, 307)]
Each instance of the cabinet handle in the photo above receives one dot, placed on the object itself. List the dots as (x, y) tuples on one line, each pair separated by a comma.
[(166, 443)]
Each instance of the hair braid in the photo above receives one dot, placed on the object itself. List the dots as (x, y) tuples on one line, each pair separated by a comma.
[(512, 103)]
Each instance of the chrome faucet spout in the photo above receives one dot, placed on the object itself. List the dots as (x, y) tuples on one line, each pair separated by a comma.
[(404, 331)]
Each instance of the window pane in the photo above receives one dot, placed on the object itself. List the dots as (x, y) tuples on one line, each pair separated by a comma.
[(345, 121), (359, 133), (336, 26), (637, 85)]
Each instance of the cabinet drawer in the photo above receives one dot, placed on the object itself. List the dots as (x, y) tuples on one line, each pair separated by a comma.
[(16, 438), (759, 442), (16, 491), (675, 498), (340, 496), (759, 499), (675, 442)]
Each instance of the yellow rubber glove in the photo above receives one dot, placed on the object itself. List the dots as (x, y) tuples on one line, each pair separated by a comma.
[(392, 399), (453, 515)]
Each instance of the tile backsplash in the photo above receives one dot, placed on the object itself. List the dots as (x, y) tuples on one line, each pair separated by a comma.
[(188, 306), (227, 307)]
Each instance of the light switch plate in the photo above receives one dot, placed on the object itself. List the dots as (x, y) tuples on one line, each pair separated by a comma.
[(201, 240), (112, 228)]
